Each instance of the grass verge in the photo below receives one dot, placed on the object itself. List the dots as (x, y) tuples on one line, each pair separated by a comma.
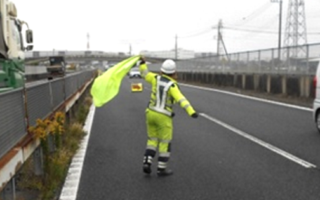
[(56, 163)]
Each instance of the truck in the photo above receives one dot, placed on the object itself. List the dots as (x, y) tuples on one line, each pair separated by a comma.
[(56, 66), (12, 48)]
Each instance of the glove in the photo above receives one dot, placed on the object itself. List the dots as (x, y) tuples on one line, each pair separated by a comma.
[(142, 60), (194, 115)]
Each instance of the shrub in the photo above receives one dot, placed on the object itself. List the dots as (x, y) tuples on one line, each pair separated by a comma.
[(55, 164)]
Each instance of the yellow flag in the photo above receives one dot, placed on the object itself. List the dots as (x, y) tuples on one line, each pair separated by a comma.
[(106, 86)]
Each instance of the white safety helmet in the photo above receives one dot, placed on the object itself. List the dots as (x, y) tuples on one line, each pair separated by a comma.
[(168, 67)]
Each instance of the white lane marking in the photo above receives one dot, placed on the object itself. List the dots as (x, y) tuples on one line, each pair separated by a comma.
[(248, 97), (147, 88), (70, 187), (260, 142)]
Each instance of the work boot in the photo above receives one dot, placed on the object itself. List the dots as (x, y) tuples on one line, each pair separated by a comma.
[(164, 172), (147, 168)]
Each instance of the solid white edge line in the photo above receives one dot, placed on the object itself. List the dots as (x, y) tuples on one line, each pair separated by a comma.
[(248, 97), (260, 142), (70, 187)]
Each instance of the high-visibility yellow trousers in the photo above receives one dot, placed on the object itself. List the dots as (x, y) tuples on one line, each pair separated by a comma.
[(160, 129)]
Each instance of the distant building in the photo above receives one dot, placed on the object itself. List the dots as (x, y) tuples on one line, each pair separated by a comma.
[(181, 54), (35, 54), (205, 54)]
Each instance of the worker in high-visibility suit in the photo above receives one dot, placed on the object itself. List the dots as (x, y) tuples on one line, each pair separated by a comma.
[(159, 113)]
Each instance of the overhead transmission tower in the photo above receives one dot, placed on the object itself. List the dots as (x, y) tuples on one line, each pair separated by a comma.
[(295, 32), (221, 48)]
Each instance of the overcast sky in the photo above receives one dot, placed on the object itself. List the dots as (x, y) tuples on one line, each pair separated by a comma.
[(153, 24)]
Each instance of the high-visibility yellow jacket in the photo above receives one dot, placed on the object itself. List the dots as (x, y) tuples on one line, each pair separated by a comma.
[(165, 92)]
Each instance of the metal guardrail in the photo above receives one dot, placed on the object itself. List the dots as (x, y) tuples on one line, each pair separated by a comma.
[(72, 85), (302, 60), (12, 119), (38, 100), (20, 108)]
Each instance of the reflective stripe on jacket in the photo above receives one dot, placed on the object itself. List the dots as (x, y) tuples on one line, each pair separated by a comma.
[(161, 101), (165, 92)]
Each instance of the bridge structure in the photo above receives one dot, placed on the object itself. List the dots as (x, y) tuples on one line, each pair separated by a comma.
[(84, 58)]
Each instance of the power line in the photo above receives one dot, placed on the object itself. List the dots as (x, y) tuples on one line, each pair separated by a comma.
[(255, 29), (207, 30), (256, 34), (250, 30), (259, 25), (249, 18), (254, 14)]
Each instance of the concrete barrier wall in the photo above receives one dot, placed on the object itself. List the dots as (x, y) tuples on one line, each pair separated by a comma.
[(289, 85)]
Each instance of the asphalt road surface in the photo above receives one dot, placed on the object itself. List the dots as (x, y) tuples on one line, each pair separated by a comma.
[(238, 149)]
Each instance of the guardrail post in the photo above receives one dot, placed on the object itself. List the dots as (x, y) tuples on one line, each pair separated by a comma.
[(51, 96), (268, 83), (304, 86), (238, 63), (256, 81), (51, 143), (13, 188), (38, 162), (259, 61), (243, 81), (3, 194), (284, 84), (247, 64), (307, 58), (308, 84), (9, 192)]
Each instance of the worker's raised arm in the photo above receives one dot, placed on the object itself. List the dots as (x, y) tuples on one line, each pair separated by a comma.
[(182, 100), (145, 73)]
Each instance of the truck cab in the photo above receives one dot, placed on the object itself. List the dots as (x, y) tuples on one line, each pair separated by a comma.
[(12, 47), (56, 67)]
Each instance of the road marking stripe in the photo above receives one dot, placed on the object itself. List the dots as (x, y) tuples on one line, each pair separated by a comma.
[(260, 142), (71, 185), (248, 97)]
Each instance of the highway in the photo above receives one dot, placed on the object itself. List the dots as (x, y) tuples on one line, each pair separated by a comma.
[(238, 149)]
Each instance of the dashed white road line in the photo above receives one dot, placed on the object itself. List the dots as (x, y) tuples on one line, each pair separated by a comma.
[(250, 137), (248, 97), (260, 142), (70, 187)]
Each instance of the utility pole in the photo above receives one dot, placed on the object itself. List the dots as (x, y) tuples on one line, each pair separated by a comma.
[(280, 26), (88, 41), (219, 37), (221, 47), (176, 47)]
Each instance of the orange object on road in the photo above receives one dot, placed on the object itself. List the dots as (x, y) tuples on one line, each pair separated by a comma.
[(136, 87)]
